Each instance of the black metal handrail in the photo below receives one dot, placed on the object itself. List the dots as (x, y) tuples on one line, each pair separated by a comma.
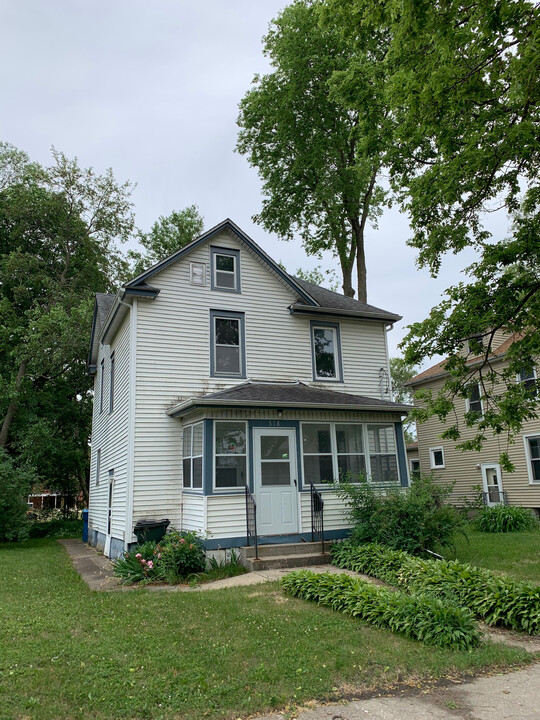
[(317, 516), (251, 521)]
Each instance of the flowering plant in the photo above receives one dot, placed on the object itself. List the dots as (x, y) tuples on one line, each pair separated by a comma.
[(182, 555), (139, 565)]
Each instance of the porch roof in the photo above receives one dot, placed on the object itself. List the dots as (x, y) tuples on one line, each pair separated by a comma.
[(298, 395)]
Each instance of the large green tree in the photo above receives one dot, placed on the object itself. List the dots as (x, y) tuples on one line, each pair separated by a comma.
[(166, 236), (320, 161), (464, 89), (59, 229)]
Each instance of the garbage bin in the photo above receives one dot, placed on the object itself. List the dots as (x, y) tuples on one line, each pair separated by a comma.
[(85, 526), (146, 530)]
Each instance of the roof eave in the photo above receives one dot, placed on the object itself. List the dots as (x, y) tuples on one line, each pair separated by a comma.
[(310, 310), (193, 403)]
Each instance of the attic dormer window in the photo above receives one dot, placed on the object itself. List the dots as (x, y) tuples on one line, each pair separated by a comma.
[(225, 269)]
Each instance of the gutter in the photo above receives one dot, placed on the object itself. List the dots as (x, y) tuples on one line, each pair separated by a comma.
[(298, 309)]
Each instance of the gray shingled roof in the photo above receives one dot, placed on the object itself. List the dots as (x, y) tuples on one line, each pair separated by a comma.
[(104, 302), (329, 299), (293, 394)]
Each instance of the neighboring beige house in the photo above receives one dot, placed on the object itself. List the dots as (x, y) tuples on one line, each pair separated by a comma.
[(472, 470)]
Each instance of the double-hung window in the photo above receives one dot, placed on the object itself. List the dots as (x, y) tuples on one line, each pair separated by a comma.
[(527, 377), (225, 269), (474, 401), (192, 456), (382, 453), (230, 454), (111, 385), (325, 349), (532, 453), (227, 345)]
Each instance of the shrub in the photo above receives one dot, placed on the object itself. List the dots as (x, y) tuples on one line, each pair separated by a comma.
[(58, 528), (419, 617), (498, 600), (139, 565), (415, 520), (182, 554), (15, 484), (505, 518)]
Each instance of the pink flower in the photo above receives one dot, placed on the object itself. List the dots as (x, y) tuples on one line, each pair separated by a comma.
[(150, 564), (138, 555), (159, 556), (143, 561), (182, 540)]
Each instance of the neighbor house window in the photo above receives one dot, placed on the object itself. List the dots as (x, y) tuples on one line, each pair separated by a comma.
[(227, 352), (325, 348), (527, 377), (197, 273), (225, 269), (102, 381), (436, 457), (382, 453), (230, 454), (111, 385), (192, 456), (474, 401), (337, 451), (415, 468), (98, 465), (475, 344), (532, 453)]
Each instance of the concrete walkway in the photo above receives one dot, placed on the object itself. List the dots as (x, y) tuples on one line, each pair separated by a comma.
[(512, 696)]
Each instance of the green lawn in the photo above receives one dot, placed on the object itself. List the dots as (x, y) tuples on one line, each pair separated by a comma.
[(66, 652), (515, 554)]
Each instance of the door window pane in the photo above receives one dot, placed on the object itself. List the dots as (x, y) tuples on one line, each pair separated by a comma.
[(275, 473), (275, 447)]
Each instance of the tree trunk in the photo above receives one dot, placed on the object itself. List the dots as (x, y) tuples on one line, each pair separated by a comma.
[(361, 269), (12, 407), (348, 289)]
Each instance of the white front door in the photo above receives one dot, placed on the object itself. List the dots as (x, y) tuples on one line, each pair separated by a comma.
[(491, 478), (275, 480)]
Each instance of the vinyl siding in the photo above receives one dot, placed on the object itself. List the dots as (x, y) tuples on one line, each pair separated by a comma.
[(460, 467), (193, 507), (110, 434), (173, 362), (335, 512)]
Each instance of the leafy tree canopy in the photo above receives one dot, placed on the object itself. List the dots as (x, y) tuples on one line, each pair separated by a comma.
[(320, 162), (464, 90), (166, 236)]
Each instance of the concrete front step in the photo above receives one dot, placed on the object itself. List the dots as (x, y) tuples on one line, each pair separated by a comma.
[(265, 551), (277, 562)]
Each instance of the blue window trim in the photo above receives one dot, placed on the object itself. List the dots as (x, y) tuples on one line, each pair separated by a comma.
[(215, 250), (339, 365), (402, 455), (236, 316), (111, 383)]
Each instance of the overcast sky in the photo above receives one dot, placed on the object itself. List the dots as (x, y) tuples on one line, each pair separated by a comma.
[(151, 89)]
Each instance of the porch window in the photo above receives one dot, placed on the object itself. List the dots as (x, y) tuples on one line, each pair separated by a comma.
[(382, 453), (192, 456), (532, 453), (317, 451), (225, 269), (230, 454), (325, 348), (227, 344), (337, 451)]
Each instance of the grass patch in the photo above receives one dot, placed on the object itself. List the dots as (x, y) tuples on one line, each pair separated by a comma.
[(514, 554), (68, 652)]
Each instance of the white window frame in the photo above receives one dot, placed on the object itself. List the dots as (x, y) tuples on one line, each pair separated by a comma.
[(432, 451), (529, 458), (468, 403), (333, 447), (191, 457), (534, 377), (202, 267), (411, 469), (98, 466), (229, 488)]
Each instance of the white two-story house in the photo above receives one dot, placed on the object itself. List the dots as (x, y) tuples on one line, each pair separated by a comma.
[(216, 370)]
